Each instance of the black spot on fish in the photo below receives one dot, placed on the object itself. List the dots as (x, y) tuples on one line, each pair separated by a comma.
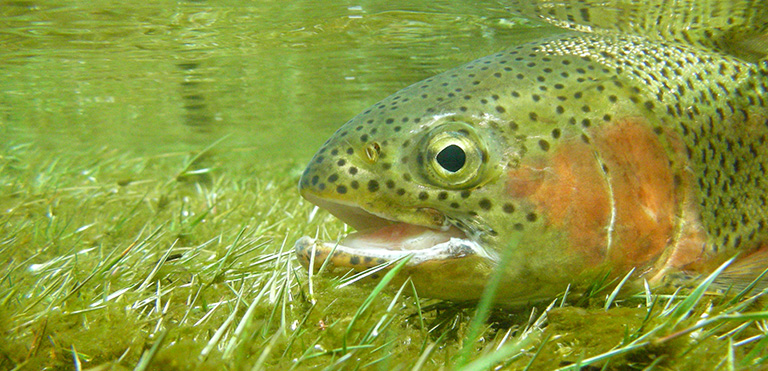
[(649, 105), (485, 204)]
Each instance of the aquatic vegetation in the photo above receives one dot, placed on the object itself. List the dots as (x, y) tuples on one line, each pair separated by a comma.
[(182, 261)]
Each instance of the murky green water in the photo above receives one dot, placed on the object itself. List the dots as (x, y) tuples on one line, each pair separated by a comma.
[(276, 78), (107, 249)]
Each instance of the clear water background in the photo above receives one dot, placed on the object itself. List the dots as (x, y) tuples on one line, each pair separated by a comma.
[(275, 78)]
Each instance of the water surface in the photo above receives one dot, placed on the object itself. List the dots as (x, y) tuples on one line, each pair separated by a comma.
[(275, 78)]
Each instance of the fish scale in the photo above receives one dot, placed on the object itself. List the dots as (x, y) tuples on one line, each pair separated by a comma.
[(728, 26), (707, 100), (572, 156)]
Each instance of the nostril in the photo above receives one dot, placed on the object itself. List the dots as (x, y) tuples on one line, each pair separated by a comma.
[(372, 152)]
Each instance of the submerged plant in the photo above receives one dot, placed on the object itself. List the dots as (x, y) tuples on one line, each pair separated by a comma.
[(113, 262)]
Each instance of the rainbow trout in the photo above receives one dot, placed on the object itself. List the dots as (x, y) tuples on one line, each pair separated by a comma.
[(636, 139)]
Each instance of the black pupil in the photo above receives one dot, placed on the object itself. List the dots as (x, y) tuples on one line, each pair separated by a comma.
[(452, 158)]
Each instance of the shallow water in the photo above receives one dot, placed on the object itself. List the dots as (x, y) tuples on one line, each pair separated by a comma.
[(91, 91), (274, 78)]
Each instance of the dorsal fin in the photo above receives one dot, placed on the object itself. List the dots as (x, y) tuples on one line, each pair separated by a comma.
[(734, 27)]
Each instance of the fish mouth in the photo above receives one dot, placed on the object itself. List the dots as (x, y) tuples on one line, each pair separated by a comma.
[(381, 239)]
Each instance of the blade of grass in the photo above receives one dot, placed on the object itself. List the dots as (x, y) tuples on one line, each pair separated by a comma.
[(259, 365), (151, 276), (386, 318), (684, 308), (416, 300), (423, 357), (504, 353), (755, 352), (637, 344), (747, 289), (538, 351), (225, 262), (616, 290), (78, 365), (149, 355), (185, 168), (372, 296), (220, 331), (483, 308)]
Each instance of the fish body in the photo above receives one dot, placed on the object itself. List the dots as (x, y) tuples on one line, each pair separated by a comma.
[(556, 161)]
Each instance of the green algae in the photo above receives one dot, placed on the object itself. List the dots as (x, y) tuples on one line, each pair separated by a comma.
[(183, 261)]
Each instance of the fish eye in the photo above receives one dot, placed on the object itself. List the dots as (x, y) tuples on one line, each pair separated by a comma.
[(451, 158), (454, 156)]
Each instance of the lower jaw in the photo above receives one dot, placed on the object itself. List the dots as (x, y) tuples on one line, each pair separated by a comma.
[(453, 270), (441, 263), (366, 249), (344, 256)]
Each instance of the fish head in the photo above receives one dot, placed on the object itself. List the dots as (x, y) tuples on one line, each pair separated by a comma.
[(490, 160), (418, 174), (405, 180)]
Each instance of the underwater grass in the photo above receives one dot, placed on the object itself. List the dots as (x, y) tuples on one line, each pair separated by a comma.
[(110, 261)]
